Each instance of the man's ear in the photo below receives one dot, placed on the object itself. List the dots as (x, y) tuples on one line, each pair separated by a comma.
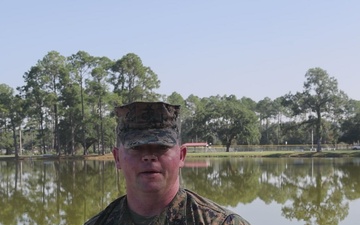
[(183, 151), (115, 153)]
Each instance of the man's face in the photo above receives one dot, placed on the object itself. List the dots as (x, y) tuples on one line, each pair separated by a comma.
[(150, 168)]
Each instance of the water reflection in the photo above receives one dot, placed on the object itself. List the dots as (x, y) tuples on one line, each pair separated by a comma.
[(312, 191), (55, 192)]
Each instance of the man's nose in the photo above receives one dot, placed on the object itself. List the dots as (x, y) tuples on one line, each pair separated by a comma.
[(149, 158)]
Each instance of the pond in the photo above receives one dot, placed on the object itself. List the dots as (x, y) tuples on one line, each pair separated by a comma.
[(262, 190)]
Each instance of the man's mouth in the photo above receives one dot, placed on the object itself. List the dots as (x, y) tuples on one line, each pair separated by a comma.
[(150, 172)]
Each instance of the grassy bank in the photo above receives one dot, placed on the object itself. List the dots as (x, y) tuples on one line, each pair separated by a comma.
[(279, 154), (272, 154)]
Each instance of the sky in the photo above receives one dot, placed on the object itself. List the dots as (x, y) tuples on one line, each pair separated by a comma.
[(252, 49)]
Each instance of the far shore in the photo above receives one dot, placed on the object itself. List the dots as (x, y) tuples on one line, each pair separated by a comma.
[(252, 154)]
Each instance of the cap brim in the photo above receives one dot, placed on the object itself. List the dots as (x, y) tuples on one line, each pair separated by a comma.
[(166, 137)]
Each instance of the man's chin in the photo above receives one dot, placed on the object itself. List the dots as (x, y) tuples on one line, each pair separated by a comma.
[(151, 187)]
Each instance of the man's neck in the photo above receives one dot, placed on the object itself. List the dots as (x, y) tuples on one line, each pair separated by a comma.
[(150, 204)]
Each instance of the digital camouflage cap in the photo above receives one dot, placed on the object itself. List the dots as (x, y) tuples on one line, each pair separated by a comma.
[(148, 123)]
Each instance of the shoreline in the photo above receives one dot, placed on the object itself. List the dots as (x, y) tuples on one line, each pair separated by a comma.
[(260, 154)]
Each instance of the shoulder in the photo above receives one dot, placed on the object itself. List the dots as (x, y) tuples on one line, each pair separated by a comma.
[(210, 211), (201, 203), (92, 220), (108, 214)]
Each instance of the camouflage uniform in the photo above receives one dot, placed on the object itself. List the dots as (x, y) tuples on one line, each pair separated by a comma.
[(186, 208)]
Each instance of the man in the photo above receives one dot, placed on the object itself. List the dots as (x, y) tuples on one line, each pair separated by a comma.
[(150, 156)]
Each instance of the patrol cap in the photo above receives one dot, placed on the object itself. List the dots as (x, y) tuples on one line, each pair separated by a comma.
[(142, 123)]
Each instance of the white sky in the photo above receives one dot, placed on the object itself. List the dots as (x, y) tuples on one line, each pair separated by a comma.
[(252, 49)]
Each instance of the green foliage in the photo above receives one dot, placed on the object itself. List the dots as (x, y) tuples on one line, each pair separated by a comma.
[(70, 105), (225, 119), (11, 116), (351, 130), (321, 98), (133, 81)]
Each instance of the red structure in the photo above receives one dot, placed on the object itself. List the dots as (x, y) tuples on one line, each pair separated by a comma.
[(196, 144)]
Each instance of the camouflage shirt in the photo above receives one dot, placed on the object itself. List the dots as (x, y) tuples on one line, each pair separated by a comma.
[(186, 208)]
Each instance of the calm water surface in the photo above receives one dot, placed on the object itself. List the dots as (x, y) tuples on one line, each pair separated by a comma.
[(264, 191)]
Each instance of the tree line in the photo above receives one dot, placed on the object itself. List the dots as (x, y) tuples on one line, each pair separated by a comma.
[(66, 105)]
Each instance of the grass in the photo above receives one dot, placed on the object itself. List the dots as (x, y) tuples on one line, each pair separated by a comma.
[(280, 154), (270, 154)]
